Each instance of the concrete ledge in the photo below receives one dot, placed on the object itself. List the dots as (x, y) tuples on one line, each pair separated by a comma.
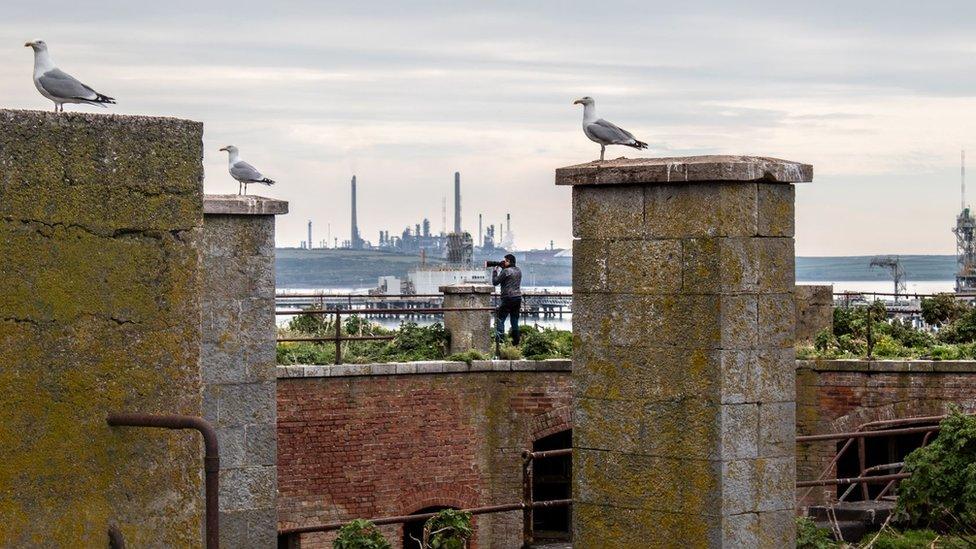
[(629, 171), (888, 366), (236, 204), (466, 288), (420, 368)]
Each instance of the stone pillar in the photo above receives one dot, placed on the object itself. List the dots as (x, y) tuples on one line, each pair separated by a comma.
[(238, 361), (469, 329), (684, 366), (100, 219), (814, 311)]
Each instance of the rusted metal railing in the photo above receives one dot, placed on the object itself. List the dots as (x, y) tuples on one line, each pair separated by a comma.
[(211, 458)]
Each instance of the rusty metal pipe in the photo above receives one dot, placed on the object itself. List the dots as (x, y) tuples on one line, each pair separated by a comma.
[(867, 434), (424, 516), (547, 453), (211, 458), (856, 480)]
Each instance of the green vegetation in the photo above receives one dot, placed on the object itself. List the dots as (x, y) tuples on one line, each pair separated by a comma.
[(941, 493), (956, 339), (448, 529), (808, 536), (360, 534), (410, 343)]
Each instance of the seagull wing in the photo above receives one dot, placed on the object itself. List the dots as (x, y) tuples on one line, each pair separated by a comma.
[(609, 133), (64, 86), (244, 172)]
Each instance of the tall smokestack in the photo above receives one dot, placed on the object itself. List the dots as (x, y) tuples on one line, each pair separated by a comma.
[(309, 234), (962, 175), (457, 202), (354, 230), (481, 238), (508, 224)]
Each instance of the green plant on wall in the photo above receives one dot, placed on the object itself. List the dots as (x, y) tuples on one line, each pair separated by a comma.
[(360, 534), (448, 529), (941, 493)]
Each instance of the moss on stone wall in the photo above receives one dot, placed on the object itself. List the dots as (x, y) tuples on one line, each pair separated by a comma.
[(99, 217)]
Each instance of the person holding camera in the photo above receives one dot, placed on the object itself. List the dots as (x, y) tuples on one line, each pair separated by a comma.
[(509, 278)]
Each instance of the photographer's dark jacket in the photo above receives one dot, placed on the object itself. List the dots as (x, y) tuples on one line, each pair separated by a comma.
[(510, 279)]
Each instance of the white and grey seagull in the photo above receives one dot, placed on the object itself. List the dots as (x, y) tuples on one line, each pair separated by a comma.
[(603, 132), (243, 172), (59, 86)]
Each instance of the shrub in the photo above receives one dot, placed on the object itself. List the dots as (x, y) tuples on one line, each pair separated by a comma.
[(941, 308), (808, 536), (360, 534), (962, 330), (509, 352), (415, 342), (448, 529), (942, 488), (468, 356)]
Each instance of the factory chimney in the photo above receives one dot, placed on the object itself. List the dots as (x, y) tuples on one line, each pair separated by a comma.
[(481, 239), (354, 240), (309, 234), (962, 175), (457, 202), (508, 224)]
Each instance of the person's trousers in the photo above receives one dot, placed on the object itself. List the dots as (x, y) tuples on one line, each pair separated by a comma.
[(509, 307)]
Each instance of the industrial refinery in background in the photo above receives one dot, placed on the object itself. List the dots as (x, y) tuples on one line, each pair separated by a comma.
[(439, 258)]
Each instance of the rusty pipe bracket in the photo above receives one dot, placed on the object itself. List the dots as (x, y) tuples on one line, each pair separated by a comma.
[(211, 459)]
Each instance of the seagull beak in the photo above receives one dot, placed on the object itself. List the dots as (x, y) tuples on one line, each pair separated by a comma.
[(223, 148), (578, 102), (29, 44)]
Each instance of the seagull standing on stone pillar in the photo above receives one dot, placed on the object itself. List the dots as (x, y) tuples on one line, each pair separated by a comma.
[(59, 86), (243, 172), (603, 132)]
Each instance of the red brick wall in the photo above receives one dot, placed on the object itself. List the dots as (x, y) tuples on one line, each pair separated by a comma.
[(839, 395), (374, 446)]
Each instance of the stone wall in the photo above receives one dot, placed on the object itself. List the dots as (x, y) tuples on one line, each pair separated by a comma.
[(238, 361), (683, 321), (99, 224), (839, 395), (814, 311), (375, 440)]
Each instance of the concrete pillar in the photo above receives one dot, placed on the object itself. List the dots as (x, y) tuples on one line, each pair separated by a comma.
[(238, 361), (469, 329), (814, 311), (684, 396)]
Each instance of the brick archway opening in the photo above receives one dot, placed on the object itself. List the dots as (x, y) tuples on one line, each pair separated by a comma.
[(414, 531), (552, 479)]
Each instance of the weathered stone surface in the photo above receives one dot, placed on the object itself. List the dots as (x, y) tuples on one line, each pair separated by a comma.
[(699, 211), (814, 311), (683, 342), (776, 529), (776, 210), (644, 266), (99, 232), (686, 169), (238, 358), (469, 330), (608, 213), (235, 204)]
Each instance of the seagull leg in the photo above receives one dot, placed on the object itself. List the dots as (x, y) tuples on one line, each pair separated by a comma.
[(603, 149), (239, 187), (245, 189)]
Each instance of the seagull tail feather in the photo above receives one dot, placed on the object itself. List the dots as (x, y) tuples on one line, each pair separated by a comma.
[(637, 144), (267, 181), (100, 98)]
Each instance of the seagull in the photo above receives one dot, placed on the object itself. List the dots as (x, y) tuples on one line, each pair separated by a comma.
[(243, 172), (59, 86), (603, 132)]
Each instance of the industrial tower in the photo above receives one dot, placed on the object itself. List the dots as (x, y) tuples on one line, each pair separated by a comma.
[(965, 232), (355, 240), (892, 263)]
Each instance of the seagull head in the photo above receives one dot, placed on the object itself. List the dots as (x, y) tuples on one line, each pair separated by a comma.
[(584, 101), (229, 148), (36, 45)]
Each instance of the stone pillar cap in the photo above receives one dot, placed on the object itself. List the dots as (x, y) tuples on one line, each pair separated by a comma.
[(685, 169), (237, 204), (466, 288)]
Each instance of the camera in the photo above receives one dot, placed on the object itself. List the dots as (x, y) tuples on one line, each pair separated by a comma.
[(494, 264)]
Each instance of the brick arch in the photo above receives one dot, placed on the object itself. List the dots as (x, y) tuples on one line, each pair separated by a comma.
[(456, 497), (551, 422), (893, 410)]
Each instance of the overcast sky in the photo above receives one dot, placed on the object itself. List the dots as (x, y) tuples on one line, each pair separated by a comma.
[(879, 97)]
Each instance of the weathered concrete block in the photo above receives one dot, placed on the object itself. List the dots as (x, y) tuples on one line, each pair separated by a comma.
[(590, 272), (700, 210), (776, 529), (247, 488), (260, 445), (682, 330), (608, 213), (469, 330), (100, 218), (814, 311), (645, 266), (246, 404), (776, 210)]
